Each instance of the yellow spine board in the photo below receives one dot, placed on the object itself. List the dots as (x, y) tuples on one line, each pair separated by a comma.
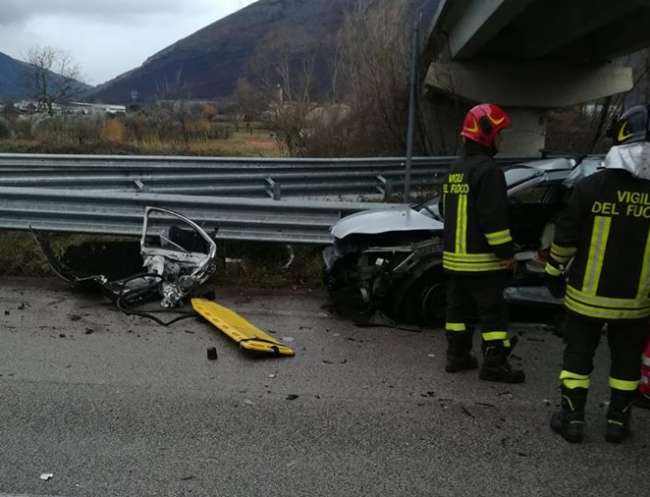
[(247, 335)]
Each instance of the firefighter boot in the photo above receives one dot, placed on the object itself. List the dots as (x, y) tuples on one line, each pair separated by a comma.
[(459, 356), (570, 420), (619, 416), (496, 366)]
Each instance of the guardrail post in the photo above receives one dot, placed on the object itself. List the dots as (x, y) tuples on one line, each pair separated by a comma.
[(384, 187), (274, 191)]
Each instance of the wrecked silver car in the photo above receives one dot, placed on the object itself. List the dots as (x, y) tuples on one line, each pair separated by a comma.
[(176, 259), (391, 260)]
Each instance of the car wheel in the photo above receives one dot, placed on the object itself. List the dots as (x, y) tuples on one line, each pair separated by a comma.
[(421, 299)]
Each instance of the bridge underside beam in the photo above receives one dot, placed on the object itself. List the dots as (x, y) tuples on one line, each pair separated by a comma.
[(530, 84), (549, 27), (516, 30), (480, 22), (579, 30)]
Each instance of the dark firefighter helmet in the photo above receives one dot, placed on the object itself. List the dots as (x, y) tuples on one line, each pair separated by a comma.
[(632, 126)]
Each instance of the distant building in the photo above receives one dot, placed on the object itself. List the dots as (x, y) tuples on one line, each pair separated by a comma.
[(77, 108), (95, 109)]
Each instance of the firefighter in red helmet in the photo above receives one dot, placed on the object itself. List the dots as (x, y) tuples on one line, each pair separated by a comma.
[(478, 249)]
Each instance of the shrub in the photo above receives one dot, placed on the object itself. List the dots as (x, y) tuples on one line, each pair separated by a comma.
[(5, 130), (113, 131)]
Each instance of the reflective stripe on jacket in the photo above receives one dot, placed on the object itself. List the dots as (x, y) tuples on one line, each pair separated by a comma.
[(475, 206), (606, 231)]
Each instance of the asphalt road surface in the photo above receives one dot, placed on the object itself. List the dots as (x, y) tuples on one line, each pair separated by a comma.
[(113, 405)]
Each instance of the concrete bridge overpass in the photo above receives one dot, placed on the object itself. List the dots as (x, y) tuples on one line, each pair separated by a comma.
[(533, 55)]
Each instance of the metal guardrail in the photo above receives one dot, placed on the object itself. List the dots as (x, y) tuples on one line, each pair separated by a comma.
[(121, 213), (81, 194), (143, 162), (275, 178)]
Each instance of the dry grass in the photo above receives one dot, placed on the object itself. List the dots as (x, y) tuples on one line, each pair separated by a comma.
[(259, 143), (20, 256)]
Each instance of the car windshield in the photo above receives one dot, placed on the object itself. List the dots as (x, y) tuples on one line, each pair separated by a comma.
[(518, 175)]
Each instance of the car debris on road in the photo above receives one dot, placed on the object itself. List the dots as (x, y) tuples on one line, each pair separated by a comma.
[(179, 260)]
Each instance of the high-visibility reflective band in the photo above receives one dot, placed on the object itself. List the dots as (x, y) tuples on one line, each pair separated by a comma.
[(607, 302), (596, 257), (562, 254), (644, 277), (560, 251), (552, 270), (491, 336), (455, 327), (472, 267), (470, 257), (574, 380), (626, 386), (498, 237), (604, 313), (461, 224), (471, 262)]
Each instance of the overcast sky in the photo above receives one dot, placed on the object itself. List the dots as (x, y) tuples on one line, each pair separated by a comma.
[(105, 37)]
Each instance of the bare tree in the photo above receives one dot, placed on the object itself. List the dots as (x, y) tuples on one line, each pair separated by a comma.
[(374, 75), (53, 75), (250, 100), (285, 59)]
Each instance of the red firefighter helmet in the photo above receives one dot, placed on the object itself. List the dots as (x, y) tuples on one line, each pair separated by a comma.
[(483, 123)]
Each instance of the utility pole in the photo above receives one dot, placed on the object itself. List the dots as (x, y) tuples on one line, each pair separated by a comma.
[(412, 107)]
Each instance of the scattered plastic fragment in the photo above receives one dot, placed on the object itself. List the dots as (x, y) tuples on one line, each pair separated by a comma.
[(292, 396), (46, 476), (212, 354)]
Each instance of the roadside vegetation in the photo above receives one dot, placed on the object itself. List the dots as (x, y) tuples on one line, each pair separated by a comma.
[(154, 129)]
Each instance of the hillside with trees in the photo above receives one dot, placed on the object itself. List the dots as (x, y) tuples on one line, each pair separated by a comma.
[(267, 38)]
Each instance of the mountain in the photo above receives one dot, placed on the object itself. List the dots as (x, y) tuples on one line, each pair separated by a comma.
[(208, 63), (12, 77), (15, 77)]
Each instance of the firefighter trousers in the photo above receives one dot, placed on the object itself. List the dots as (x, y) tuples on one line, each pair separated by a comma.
[(626, 340), (477, 297)]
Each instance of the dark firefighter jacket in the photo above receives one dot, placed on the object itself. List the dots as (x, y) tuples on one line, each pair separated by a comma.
[(606, 231), (475, 207)]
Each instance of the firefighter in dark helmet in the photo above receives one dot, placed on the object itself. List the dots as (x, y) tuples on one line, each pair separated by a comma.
[(478, 249), (602, 251)]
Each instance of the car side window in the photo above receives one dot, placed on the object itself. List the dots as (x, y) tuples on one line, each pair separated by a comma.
[(535, 195)]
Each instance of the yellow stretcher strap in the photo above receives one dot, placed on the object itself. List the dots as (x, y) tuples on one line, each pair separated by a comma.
[(247, 335)]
